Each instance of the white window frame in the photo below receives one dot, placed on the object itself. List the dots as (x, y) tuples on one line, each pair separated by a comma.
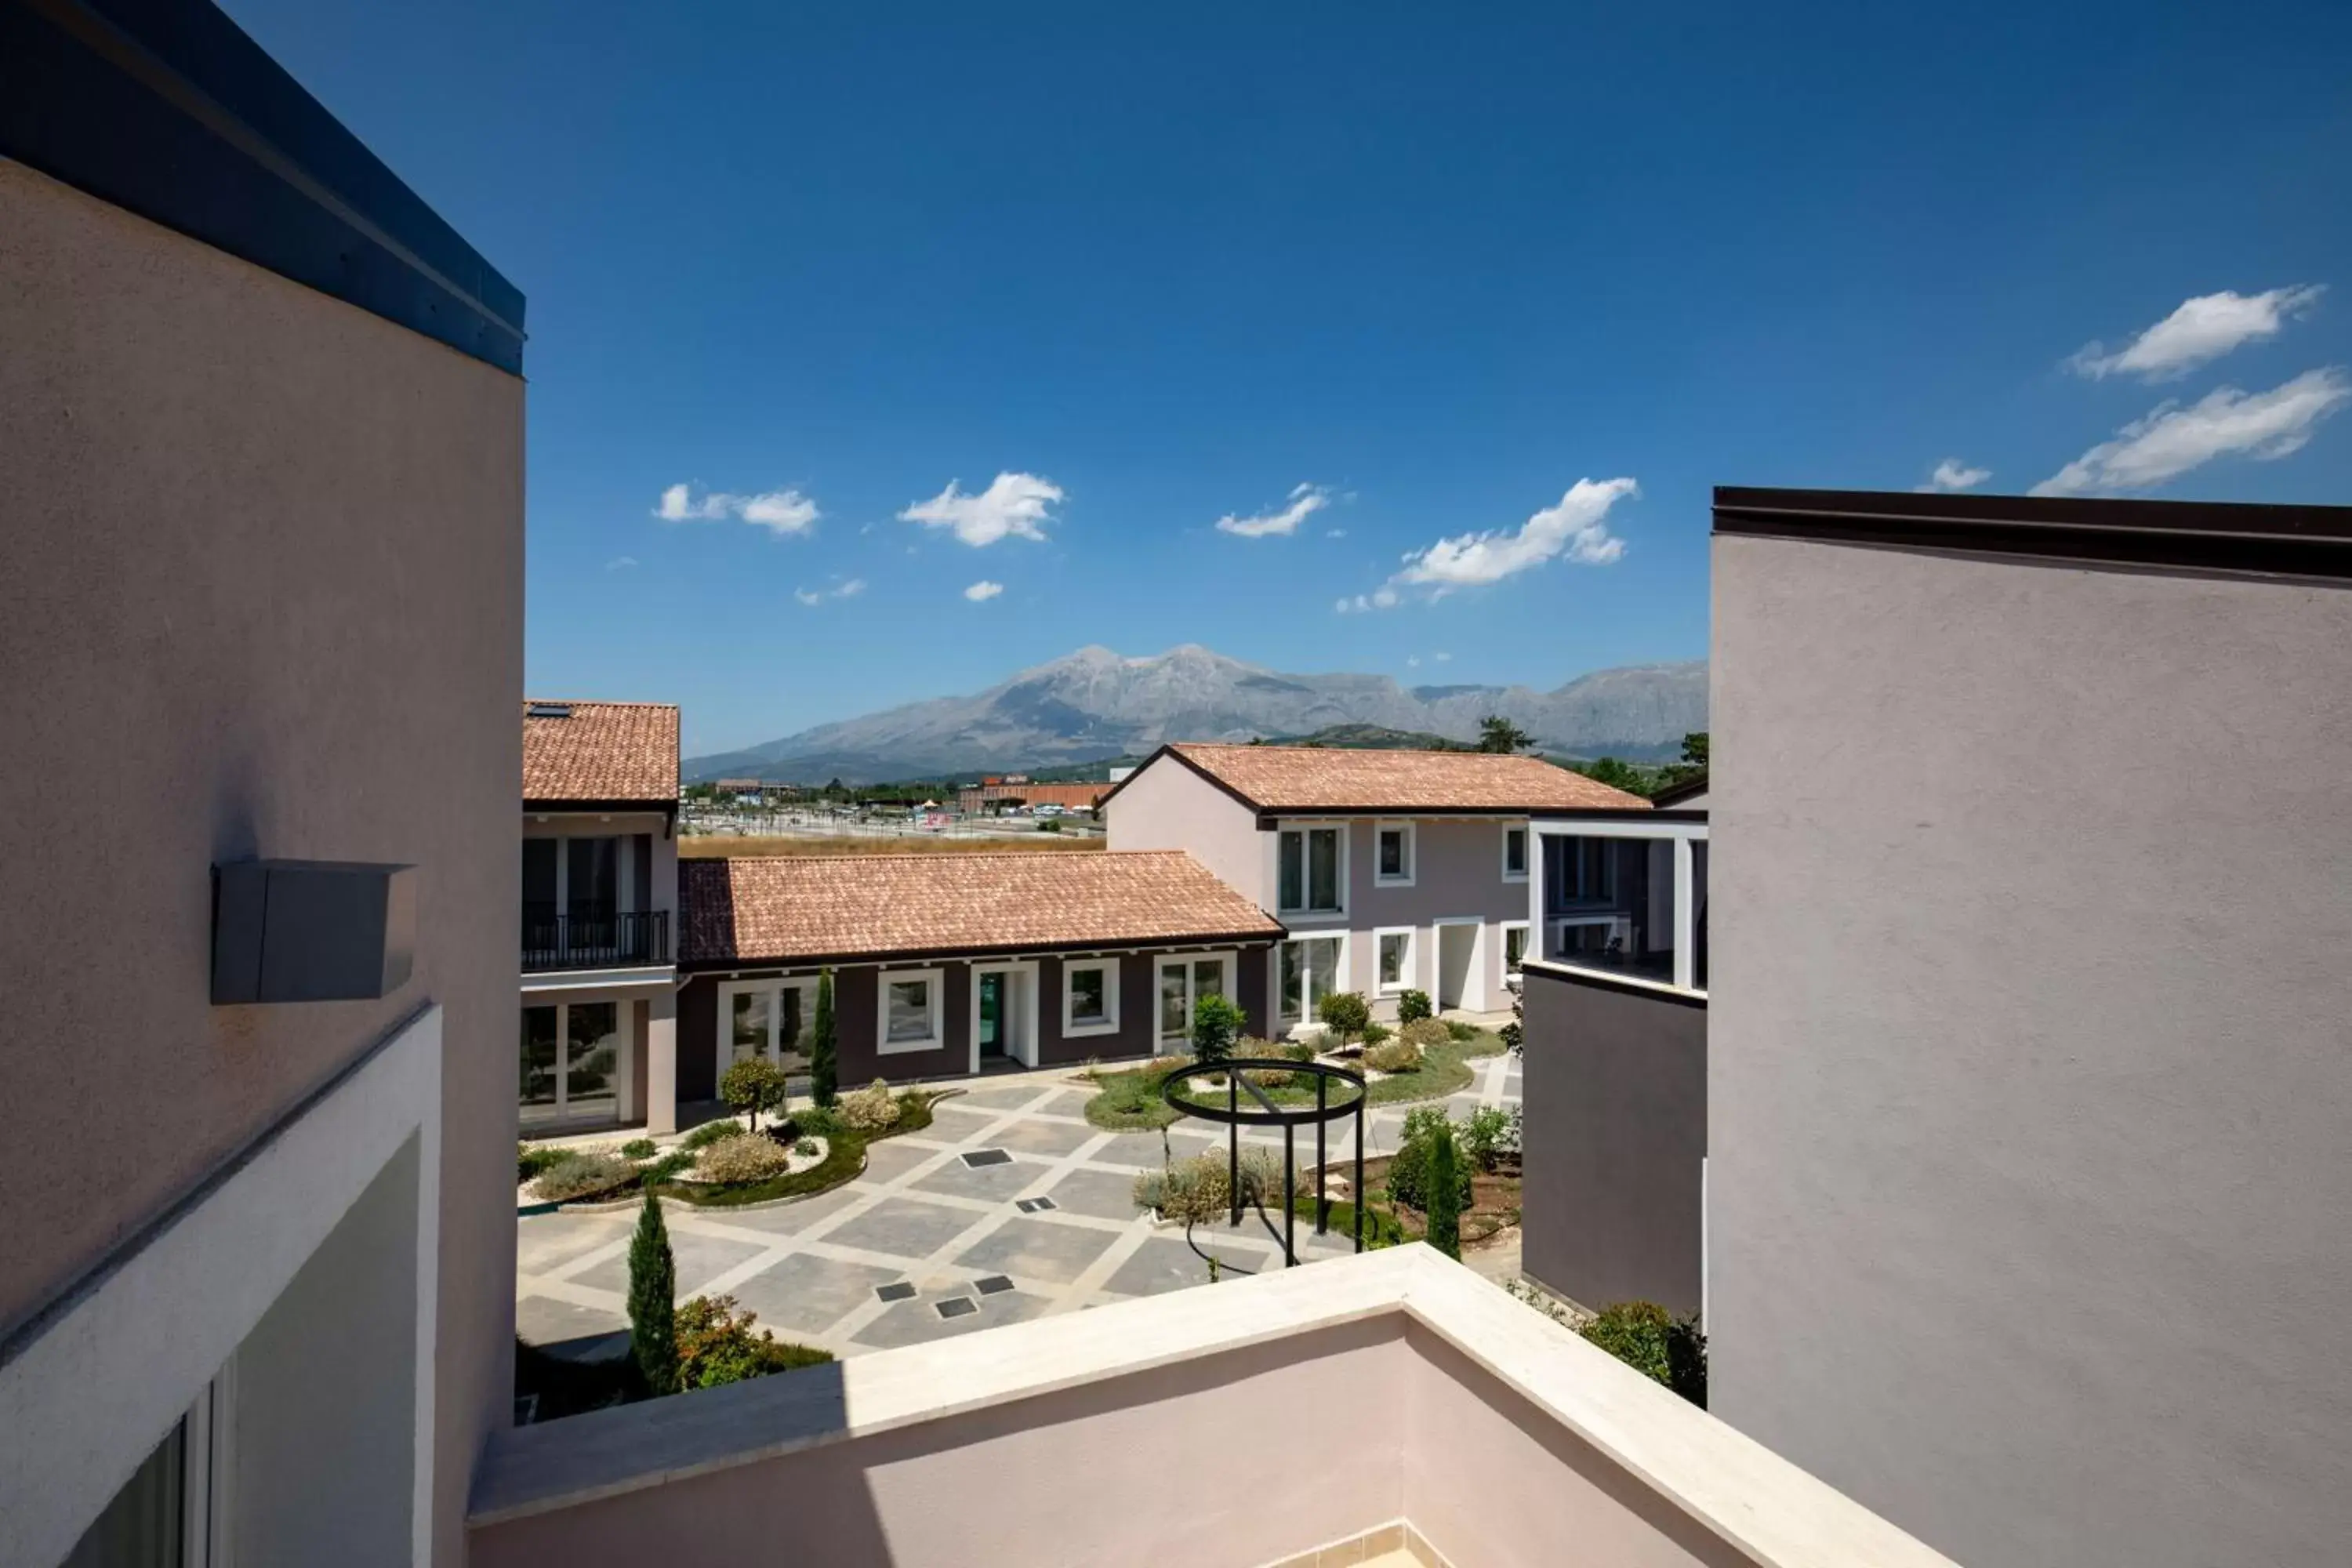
[(1021, 977), (936, 1035), (1302, 826), (1527, 850), (773, 1051), (1528, 950), (1307, 1017), (1407, 969), (625, 1110), (1681, 833), (1412, 854), (1108, 1023), (1227, 960)]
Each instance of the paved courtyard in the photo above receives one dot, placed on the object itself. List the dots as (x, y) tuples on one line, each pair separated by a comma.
[(928, 1243)]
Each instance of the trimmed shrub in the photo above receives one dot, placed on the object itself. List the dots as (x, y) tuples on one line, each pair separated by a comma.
[(1394, 1056), (711, 1133), (1488, 1136), (752, 1085), (1409, 1172), (869, 1109), (653, 1291), (1270, 1078), (530, 1159), (583, 1173), (1445, 1193), (1460, 1033), (638, 1149), (1195, 1190), (746, 1157), (819, 1120), (1425, 1033), (716, 1344), (1345, 1013), (1376, 1032), (1413, 1005), (1217, 1024), (1656, 1343), (825, 1035)]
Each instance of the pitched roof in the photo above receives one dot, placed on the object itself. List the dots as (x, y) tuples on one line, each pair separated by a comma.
[(1319, 778), (763, 908), (599, 752)]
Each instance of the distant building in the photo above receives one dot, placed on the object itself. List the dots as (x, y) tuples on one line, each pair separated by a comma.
[(1014, 791)]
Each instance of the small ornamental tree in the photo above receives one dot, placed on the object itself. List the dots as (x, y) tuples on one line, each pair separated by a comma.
[(652, 1300), (751, 1086), (825, 1056), (1217, 1022), (1444, 1193), (1413, 1005), (1345, 1013)]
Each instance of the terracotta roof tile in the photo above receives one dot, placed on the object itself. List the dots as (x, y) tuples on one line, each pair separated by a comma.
[(1315, 778), (602, 750), (763, 908)]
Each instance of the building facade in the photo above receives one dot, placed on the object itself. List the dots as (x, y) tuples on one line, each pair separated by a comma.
[(2028, 1066), (1390, 871), (264, 441), (599, 912)]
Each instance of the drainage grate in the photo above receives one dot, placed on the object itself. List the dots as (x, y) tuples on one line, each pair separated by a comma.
[(980, 1157), (994, 1285), (900, 1292), (1036, 1206), (956, 1307)]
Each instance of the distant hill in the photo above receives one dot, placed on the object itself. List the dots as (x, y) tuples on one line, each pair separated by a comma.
[(1094, 708)]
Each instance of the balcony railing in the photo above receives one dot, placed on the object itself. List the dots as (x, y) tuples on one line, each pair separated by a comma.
[(605, 940)]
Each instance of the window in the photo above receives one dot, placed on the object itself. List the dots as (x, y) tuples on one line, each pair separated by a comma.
[(910, 1011), (570, 1061), (1393, 951), (1090, 997), (768, 1018), (1515, 853), (1515, 945), (1307, 969), (1624, 899), (1311, 873), (1392, 849), (1182, 982)]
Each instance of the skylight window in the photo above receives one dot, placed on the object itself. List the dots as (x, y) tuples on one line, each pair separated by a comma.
[(548, 710)]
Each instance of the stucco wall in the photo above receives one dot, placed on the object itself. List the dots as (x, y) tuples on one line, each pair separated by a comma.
[(1457, 875), (1615, 1092), (1167, 805), (2029, 1067), (263, 597)]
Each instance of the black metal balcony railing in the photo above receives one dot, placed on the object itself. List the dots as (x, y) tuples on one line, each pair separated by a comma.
[(599, 941)]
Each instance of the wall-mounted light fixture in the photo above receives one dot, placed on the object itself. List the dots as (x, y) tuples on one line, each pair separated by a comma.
[(311, 931)]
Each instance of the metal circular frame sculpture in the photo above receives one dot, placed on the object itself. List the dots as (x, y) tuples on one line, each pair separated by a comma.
[(1265, 1113)]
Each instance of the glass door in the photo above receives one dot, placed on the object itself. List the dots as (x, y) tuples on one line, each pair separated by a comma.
[(542, 1088), (570, 1063), (1309, 972), (1182, 983), (771, 1021), (991, 1014)]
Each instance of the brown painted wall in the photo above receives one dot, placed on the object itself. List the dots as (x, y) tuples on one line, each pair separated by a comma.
[(697, 1042), (1615, 1088), (263, 595)]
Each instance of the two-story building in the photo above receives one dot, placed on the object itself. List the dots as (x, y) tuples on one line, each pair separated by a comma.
[(1390, 870), (599, 907)]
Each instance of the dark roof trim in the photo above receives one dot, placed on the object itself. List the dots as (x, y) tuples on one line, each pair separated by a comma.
[(167, 108), (944, 954), (1620, 813), (2293, 541), (1268, 820), (1569, 974), (666, 807), (1170, 752), (1681, 791)]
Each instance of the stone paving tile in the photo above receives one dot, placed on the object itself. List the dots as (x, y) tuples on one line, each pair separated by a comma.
[(543, 1320), (700, 1258), (1103, 1194), (998, 1100), (791, 1218), (953, 1120), (544, 1242), (1161, 1264), (918, 1322), (807, 1295), (998, 1184), (1037, 1249), (890, 1159), (1052, 1139), (904, 1227)]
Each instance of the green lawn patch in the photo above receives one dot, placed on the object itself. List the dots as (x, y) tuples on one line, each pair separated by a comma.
[(845, 1156), (1129, 1100)]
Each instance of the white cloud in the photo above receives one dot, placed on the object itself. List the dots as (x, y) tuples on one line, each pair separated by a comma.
[(849, 590), (983, 590), (1951, 474), (1577, 527), (2201, 328), (2170, 439), (1441, 658), (1380, 598), (1014, 504), (1335, 534), (1305, 501), (1412, 661), (780, 512), (621, 564)]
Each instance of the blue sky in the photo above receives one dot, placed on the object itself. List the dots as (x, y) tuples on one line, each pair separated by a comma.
[(1165, 266)]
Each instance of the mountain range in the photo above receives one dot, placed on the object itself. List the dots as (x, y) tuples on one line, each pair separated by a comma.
[(1095, 704)]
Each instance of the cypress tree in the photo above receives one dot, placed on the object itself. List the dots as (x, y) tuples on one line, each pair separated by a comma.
[(824, 1067), (653, 1306), (1444, 1193)]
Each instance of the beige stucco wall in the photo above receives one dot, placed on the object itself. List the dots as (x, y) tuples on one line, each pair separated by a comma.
[(2028, 1048), (1167, 805), (262, 597)]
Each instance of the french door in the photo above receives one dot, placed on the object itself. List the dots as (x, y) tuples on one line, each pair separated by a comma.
[(1182, 982), (1308, 971), (771, 1018), (570, 1061)]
